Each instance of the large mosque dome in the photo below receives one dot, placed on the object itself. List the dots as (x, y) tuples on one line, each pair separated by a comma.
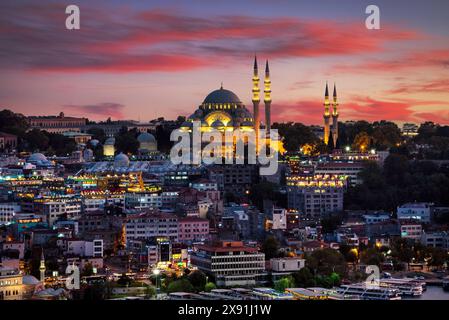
[(221, 109), (222, 96)]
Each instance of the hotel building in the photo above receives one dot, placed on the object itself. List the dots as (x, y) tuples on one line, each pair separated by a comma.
[(231, 263), (314, 196)]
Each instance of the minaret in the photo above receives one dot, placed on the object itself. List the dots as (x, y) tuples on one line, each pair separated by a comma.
[(256, 101), (42, 266), (326, 116), (335, 118), (267, 99)]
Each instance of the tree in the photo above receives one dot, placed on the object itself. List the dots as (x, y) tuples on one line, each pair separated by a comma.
[(198, 279), (14, 123), (402, 250), (209, 286), (395, 168), (88, 270), (150, 291), (284, 283), (371, 256), (331, 223), (97, 133), (127, 142), (326, 261), (304, 278), (438, 257), (296, 135), (362, 141), (182, 285), (270, 247), (386, 134), (60, 144), (37, 140)]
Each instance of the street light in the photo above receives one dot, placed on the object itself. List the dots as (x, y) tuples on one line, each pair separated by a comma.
[(156, 272)]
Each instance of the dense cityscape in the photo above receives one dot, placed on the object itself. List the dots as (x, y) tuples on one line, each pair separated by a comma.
[(239, 153), (104, 198)]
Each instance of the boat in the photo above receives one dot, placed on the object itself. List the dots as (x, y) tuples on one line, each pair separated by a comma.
[(306, 294), (367, 291), (407, 286), (332, 294), (271, 294)]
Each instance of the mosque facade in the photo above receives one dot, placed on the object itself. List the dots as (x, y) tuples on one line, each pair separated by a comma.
[(223, 110)]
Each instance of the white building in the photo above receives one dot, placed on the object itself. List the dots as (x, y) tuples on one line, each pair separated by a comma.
[(8, 211), (143, 200), (279, 219), (93, 204), (416, 211), (82, 248), (349, 169), (54, 209), (15, 245), (291, 264), (230, 262), (11, 284)]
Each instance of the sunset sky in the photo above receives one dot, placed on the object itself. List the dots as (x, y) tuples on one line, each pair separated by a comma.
[(145, 59)]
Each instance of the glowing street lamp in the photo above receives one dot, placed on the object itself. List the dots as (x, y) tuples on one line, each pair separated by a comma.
[(156, 272)]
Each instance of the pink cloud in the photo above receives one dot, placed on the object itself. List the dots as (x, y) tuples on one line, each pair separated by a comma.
[(156, 40), (410, 60), (438, 85), (358, 107), (102, 110)]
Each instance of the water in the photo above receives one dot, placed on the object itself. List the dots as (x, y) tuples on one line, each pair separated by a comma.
[(432, 293)]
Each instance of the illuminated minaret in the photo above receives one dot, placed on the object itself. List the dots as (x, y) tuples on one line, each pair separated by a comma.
[(256, 100), (326, 116), (42, 266), (335, 118), (267, 99)]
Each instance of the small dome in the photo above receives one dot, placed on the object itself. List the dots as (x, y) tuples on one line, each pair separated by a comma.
[(94, 142), (246, 124), (37, 157), (217, 123), (146, 137), (222, 96), (186, 124), (30, 280), (121, 160), (110, 141)]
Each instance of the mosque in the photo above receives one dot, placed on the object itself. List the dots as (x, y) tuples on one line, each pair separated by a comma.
[(223, 110), (330, 130)]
